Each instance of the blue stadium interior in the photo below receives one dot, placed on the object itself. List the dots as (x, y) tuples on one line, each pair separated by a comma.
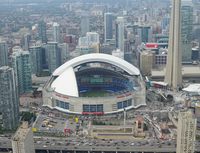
[(102, 80)]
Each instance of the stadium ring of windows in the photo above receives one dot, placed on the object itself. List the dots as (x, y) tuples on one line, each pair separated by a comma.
[(95, 86)]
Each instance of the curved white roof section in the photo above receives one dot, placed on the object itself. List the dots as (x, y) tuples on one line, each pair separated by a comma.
[(66, 83), (98, 57)]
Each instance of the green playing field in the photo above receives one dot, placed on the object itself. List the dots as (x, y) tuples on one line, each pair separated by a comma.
[(94, 94)]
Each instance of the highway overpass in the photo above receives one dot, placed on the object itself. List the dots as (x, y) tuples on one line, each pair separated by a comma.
[(100, 149)]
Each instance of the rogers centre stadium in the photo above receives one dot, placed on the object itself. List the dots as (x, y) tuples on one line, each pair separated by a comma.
[(95, 84)]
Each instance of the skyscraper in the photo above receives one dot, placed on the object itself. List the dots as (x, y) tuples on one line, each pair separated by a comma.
[(186, 132), (85, 25), (9, 99), (64, 51), (56, 32), (38, 59), (119, 34), (22, 68), (53, 56), (186, 30), (42, 31), (3, 54), (22, 141), (173, 74), (108, 26), (145, 33), (25, 41)]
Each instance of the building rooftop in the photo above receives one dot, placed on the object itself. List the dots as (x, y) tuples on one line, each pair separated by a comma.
[(194, 88)]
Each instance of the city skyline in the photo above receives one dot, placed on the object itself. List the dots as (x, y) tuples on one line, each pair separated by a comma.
[(99, 76)]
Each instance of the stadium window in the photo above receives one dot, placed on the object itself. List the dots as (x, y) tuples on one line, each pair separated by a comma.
[(124, 104), (66, 106), (57, 103), (93, 108), (62, 104), (100, 108), (119, 105), (129, 102), (86, 108)]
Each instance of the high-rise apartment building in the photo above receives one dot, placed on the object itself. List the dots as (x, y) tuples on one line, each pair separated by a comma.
[(186, 30), (108, 27), (9, 99), (3, 54), (89, 43), (42, 31), (173, 76), (20, 62), (22, 141), (186, 132), (56, 32), (91, 38), (53, 56), (64, 51), (145, 33), (38, 59), (165, 23), (119, 34), (26, 41)]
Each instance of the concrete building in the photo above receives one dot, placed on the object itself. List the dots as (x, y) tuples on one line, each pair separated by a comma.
[(174, 68), (186, 30), (53, 56), (118, 53), (22, 141), (9, 99), (108, 27), (146, 62), (38, 59), (56, 32), (119, 33), (3, 54), (186, 132)]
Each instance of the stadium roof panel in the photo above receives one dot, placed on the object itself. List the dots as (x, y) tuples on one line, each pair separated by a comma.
[(66, 83), (98, 57)]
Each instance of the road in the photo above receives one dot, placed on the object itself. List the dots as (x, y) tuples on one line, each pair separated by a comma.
[(82, 144)]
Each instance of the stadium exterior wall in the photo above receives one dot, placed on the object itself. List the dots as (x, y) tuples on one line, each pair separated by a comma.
[(109, 103)]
